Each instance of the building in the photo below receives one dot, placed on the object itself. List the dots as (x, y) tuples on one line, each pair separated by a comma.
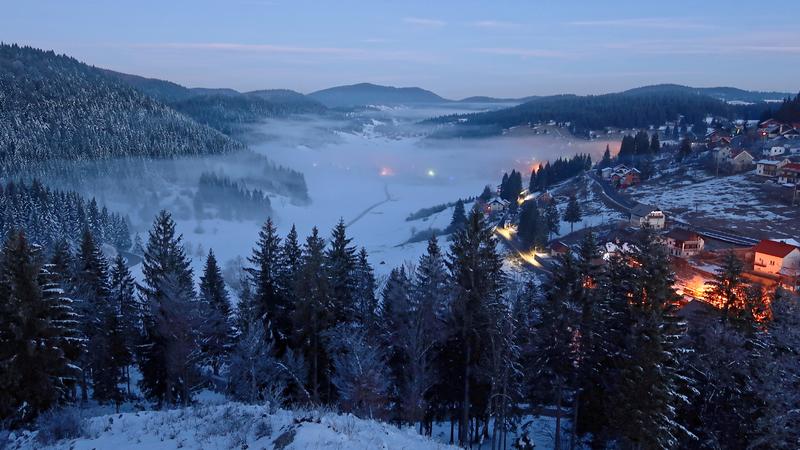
[(789, 173), (496, 205), (683, 243), (769, 167), (647, 216), (741, 160), (623, 176), (777, 258), (558, 248), (775, 151)]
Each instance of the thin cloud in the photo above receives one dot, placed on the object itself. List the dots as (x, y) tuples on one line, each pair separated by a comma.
[(425, 22), (339, 52), (676, 23), (524, 52), (494, 24)]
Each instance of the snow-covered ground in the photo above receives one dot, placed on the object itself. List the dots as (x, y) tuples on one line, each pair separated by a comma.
[(232, 426)]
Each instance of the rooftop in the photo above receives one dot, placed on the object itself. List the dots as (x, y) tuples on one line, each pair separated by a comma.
[(774, 248)]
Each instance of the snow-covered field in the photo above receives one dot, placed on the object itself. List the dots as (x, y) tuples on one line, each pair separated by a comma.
[(232, 426)]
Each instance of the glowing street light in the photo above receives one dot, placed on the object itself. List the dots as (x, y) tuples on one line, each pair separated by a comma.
[(431, 173)]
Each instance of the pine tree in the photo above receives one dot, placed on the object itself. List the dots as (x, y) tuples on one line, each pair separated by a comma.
[(655, 144), (170, 351), (269, 299), (459, 217), (313, 316), (552, 218), (91, 280), (476, 271), (486, 195), (217, 328), (123, 297), (394, 316), (33, 365), (606, 161), (685, 150), (532, 226), (340, 262), (727, 287), (366, 304), (291, 257), (572, 213)]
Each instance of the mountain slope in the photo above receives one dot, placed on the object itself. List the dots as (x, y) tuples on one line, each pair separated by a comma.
[(373, 94), (57, 108)]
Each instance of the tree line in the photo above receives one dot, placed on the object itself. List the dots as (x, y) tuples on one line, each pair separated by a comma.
[(452, 338), (49, 216)]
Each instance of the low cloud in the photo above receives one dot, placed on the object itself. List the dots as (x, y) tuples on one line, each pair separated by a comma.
[(425, 22), (675, 23), (489, 24), (524, 52)]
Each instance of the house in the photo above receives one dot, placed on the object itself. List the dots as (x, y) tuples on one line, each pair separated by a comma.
[(496, 205), (722, 154), (791, 134), (647, 216), (683, 243), (605, 173), (789, 173), (769, 167), (623, 176), (777, 258), (775, 151), (558, 248), (741, 160)]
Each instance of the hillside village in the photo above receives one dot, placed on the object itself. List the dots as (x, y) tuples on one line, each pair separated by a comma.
[(708, 191)]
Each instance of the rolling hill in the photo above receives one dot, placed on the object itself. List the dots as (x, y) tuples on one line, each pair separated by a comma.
[(635, 108), (373, 94), (57, 108)]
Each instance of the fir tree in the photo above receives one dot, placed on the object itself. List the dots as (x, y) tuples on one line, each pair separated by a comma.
[(269, 299), (123, 297), (217, 328), (572, 213), (476, 271), (459, 217), (170, 350), (33, 365), (553, 218), (340, 262), (606, 160), (313, 316), (366, 305)]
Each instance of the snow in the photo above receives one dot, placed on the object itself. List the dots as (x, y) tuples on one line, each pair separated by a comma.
[(233, 426)]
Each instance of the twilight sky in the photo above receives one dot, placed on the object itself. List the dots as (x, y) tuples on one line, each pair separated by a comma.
[(455, 48)]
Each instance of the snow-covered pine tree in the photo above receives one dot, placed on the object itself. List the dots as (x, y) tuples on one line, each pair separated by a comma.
[(33, 365), (170, 350), (394, 320), (312, 316), (364, 300), (340, 262), (269, 302), (572, 214), (478, 280), (360, 373), (92, 288), (217, 329), (129, 310)]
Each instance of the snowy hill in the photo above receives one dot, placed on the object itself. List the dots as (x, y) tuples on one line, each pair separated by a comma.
[(231, 426), (373, 94)]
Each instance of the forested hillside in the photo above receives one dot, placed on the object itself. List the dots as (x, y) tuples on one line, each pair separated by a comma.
[(50, 216), (223, 109), (630, 109), (57, 108)]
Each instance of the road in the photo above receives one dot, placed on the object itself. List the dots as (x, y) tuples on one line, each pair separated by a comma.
[(370, 208), (625, 203)]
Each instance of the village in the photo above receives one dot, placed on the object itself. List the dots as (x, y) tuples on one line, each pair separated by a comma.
[(736, 164)]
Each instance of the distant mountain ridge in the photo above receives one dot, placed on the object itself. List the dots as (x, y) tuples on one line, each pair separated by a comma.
[(634, 108), (373, 94)]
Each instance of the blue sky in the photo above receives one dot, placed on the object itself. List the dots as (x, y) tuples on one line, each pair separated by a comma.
[(456, 48)]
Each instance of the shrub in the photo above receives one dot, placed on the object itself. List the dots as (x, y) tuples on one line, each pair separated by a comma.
[(58, 424)]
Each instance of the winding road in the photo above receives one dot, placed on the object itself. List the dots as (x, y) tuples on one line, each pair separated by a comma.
[(370, 208)]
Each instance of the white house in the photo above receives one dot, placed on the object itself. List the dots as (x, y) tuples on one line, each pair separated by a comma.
[(648, 217), (769, 167), (775, 151), (683, 243), (776, 258)]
